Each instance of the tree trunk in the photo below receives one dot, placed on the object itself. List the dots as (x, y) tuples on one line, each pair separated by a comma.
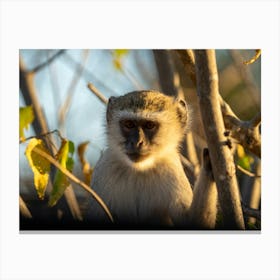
[(221, 157)]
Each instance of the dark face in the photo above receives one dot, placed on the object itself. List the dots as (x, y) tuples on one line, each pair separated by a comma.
[(139, 135)]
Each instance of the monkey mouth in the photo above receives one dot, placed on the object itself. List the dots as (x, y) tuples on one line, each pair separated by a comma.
[(136, 157)]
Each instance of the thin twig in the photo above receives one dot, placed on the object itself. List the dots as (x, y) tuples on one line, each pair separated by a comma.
[(256, 120), (71, 90), (97, 93), (42, 135), (254, 58), (49, 61), (250, 174), (88, 74), (75, 180), (23, 209), (247, 77), (250, 212)]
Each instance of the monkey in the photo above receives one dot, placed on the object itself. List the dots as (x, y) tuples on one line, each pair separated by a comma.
[(140, 176)]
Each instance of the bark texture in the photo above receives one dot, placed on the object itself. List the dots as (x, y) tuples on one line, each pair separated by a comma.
[(221, 157)]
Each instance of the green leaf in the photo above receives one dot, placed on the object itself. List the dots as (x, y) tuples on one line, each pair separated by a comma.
[(61, 181), (244, 160), (26, 117), (71, 147), (39, 165)]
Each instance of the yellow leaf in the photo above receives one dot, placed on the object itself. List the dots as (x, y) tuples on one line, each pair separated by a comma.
[(39, 165), (120, 52), (240, 151), (26, 117), (244, 160), (117, 64), (87, 170)]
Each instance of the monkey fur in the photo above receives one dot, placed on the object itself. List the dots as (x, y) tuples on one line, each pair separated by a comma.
[(140, 176)]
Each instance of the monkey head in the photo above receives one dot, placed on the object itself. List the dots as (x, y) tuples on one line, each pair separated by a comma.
[(145, 126)]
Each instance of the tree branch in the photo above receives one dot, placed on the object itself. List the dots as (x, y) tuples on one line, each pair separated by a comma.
[(27, 87), (97, 93), (245, 132), (44, 64), (248, 173), (23, 209), (71, 90), (167, 76), (187, 58), (220, 154), (246, 76), (250, 212)]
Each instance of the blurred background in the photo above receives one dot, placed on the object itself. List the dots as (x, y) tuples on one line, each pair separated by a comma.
[(61, 80)]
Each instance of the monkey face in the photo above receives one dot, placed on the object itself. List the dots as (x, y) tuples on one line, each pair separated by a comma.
[(144, 127), (138, 135)]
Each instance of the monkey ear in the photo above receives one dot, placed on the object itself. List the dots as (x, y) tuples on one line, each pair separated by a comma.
[(183, 103), (109, 111), (182, 111)]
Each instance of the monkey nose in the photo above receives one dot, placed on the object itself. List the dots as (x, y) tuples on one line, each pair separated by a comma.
[(139, 144)]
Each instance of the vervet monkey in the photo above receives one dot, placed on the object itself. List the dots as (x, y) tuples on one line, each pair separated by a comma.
[(140, 176)]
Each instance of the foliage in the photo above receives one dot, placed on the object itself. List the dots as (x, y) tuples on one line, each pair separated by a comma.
[(118, 58), (26, 117), (244, 160), (39, 165), (61, 181)]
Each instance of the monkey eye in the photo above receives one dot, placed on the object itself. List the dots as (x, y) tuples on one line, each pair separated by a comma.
[(128, 124), (150, 125)]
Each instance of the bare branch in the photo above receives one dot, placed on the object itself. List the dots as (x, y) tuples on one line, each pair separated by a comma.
[(97, 93), (49, 61), (254, 58), (255, 197), (248, 173), (71, 89), (246, 76), (87, 73), (250, 212), (256, 120), (246, 133), (74, 179), (73, 203), (220, 154), (42, 135), (167, 75), (27, 87), (23, 209), (192, 154), (187, 57)]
